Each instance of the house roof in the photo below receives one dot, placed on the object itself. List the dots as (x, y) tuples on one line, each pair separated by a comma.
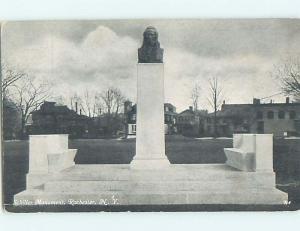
[(191, 112), (262, 105), (57, 109), (241, 109), (169, 105), (234, 109), (187, 111), (133, 109)]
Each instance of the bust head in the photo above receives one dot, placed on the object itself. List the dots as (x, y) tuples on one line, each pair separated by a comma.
[(150, 52), (150, 37)]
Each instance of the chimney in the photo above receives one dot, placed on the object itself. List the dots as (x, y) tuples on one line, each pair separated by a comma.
[(271, 101), (191, 108), (80, 112), (127, 106), (76, 107), (287, 100), (256, 101), (223, 101)]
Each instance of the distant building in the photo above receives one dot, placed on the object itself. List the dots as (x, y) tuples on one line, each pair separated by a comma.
[(190, 122), (170, 118), (109, 126), (59, 119), (280, 119), (130, 118)]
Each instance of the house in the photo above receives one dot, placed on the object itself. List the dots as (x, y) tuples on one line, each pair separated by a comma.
[(170, 118), (280, 119), (109, 125), (230, 119), (190, 122), (130, 118), (59, 119)]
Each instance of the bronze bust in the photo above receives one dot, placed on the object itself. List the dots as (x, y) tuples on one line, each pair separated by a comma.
[(150, 52)]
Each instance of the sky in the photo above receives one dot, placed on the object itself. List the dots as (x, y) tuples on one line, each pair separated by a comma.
[(95, 55)]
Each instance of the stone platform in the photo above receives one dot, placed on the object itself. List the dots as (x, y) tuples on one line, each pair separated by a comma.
[(176, 184)]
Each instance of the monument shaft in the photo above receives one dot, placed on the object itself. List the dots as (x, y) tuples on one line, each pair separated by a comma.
[(150, 138)]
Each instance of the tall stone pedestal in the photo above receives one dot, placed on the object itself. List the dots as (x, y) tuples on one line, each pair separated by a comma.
[(150, 136)]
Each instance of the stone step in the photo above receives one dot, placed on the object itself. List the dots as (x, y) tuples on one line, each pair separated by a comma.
[(32, 197), (259, 179), (176, 173), (153, 186), (177, 184)]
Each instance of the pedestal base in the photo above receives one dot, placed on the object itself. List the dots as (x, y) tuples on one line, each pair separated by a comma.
[(138, 163), (174, 185)]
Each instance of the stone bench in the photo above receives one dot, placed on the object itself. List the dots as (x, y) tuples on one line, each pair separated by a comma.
[(251, 152), (48, 154), (60, 161)]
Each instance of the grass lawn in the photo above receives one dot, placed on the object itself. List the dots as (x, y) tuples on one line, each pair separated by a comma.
[(178, 149)]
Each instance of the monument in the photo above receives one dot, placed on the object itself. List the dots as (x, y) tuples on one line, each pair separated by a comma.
[(150, 138), (246, 178)]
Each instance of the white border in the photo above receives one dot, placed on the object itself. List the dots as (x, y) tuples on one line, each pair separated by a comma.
[(111, 9), (108, 9)]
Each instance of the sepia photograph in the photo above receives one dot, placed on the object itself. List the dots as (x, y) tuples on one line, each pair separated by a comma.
[(150, 115)]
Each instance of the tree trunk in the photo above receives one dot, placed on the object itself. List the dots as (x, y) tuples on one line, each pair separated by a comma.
[(215, 124), (215, 115), (23, 129)]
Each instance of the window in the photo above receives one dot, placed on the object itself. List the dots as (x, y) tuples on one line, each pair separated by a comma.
[(133, 117), (281, 114), (292, 115), (270, 115), (259, 115), (167, 118), (133, 127)]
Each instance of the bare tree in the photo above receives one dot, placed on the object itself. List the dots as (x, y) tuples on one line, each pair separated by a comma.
[(99, 106), (113, 100), (10, 76), (74, 101), (88, 103), (195, 96), (107, 104), (28, 95), (78, 102), (215, 99), (289, 75)]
